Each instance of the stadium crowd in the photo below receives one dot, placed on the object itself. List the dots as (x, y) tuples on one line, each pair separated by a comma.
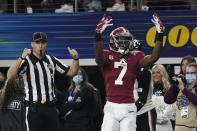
[(61, 6)]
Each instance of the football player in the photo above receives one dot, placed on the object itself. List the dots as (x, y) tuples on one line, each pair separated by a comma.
[(120, 65)]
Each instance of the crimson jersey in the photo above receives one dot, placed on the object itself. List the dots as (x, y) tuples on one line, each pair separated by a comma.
[(120, 74)]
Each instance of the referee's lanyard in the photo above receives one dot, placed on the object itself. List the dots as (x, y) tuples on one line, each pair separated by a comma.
[(72, 94), (184, 98)]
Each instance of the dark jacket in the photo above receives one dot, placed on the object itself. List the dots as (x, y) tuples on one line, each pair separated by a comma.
[(80, 114), (12, 118)]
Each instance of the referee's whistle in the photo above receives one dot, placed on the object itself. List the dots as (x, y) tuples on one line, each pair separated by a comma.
[(40, 53)]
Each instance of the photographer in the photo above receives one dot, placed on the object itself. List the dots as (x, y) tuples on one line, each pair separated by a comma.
[(185, 94)]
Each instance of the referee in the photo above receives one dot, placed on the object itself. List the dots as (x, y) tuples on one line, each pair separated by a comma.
[(37, 69)]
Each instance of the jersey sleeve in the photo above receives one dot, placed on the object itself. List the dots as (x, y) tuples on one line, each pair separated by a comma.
[(140, 56), (60, 67), (23, 67)]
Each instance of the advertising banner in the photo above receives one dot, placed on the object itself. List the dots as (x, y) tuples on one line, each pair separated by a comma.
[(77, 30)]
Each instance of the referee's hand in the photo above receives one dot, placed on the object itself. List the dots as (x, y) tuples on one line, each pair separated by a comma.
[(73, 53), (26, 52)]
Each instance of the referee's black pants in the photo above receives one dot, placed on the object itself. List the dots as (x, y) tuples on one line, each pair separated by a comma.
[(147, 121), (42, 117)]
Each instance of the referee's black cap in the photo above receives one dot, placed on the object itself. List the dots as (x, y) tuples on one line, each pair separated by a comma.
[(39, 36)]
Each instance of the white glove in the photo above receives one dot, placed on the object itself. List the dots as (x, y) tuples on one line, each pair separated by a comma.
[(158, 23), (137, 44), (103, 23)]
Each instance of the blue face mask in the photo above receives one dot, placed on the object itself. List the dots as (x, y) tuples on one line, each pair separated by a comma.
[(78, 79), (190, 78)]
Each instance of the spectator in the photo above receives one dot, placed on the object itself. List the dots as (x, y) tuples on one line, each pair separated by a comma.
[(185, 61), (38, 69), (12, 110), (165, 112), (76, 109), (120, 66), (67, 6), (118, 6), (185, 95), (2, 80), (94, 5)]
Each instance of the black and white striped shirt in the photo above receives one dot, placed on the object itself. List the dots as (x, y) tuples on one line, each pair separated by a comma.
[(38, 76)]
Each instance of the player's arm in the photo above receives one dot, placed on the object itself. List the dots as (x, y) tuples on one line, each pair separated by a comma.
[(98, 50), (149, 59), (98, 46)]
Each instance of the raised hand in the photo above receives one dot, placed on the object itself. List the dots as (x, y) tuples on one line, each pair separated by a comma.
[(103, 23), (158, 23), (181, 84), (73, 53), (26, 52)]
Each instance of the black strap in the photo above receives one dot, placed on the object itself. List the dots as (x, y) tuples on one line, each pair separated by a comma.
[(97, 37), (22, 57), (159, 37)]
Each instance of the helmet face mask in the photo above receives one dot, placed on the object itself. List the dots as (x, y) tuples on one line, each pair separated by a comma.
[(121, 40)]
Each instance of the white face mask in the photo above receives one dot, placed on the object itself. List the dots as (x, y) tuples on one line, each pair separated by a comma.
[(191, 78)]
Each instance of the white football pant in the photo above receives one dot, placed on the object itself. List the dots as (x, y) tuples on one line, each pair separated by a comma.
[(119, 117)]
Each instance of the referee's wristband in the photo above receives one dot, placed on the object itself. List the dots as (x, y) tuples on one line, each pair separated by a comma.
[(22, 57)]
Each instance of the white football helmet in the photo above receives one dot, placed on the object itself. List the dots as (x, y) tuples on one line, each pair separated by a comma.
[(121, 40)]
